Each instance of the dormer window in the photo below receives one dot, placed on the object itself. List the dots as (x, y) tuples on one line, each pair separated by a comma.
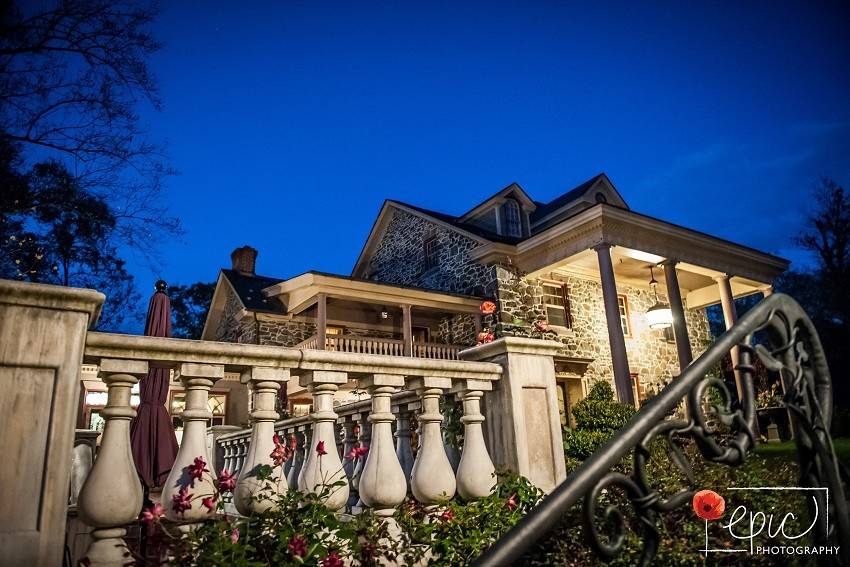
[(513, 224)]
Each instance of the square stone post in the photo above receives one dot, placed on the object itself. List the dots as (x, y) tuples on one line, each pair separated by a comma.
[(522, 421), (42, 337)]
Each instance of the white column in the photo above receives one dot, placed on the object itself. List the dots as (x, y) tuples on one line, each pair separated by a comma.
[(619, 358), (383, 485), (432, 479), (266, 383), (680, 324), (197, 379), (730, 316), (476, 475), (402, 435), (323, 471), (111, 497)]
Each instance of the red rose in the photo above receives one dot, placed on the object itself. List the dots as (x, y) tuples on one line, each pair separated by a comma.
[(320, 448), (709, 505)]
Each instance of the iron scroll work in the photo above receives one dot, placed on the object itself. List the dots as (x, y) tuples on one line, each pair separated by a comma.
[(794, 350)]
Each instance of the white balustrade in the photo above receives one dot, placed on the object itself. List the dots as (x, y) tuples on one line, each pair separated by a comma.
[(322, 472), (111, 496), (476, 476), (432, 478), (252, 494), (197, 380), (382, 485)]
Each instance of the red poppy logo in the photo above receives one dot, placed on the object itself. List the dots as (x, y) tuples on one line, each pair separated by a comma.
[(709, 505)]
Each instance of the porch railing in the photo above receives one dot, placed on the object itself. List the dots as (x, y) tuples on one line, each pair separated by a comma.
[(396, 385), (382, 346), (793, 349)]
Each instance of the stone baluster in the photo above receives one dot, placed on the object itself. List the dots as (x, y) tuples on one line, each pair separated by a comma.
[(322, 471), (364, 439), (197, 379), (253, 494), (403, 449), (297, 458), (432, 479), (111, 496), (383, 485), (348, 443), (475, 473)]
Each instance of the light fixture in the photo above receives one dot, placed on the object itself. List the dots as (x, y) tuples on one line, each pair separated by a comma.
[(659, 315), (384, 314)]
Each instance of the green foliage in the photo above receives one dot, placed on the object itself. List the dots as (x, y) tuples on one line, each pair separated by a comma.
[(597, 417)]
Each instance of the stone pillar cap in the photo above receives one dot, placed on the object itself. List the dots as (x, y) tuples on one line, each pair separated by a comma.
[(512, 345), (57, 297)]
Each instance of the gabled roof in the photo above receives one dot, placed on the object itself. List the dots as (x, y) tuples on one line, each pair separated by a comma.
[(573, 195), (512, 189), (249, 288)]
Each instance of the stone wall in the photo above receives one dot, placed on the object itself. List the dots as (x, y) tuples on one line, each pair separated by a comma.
[(458, 329), (230, 328), (400, 258), (650, 355)]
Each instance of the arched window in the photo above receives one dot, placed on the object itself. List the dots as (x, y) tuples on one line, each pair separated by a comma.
[(513, 225)]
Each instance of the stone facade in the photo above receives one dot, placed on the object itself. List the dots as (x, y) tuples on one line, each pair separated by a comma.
[(400, 258), (650, 354)]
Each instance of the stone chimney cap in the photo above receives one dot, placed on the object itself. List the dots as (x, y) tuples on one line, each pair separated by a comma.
[(244, 260)]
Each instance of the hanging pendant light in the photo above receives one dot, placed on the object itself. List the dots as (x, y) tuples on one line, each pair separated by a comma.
[(659, 315)]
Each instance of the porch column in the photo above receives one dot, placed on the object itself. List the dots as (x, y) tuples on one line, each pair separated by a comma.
[(680, 325), (619, 358), (407, 330), (322, 320), (727, 301)]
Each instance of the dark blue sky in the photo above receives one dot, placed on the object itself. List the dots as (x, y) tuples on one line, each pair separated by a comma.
[(291, 122)]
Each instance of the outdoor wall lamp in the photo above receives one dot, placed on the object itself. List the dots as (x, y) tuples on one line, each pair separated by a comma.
[(659, 315)]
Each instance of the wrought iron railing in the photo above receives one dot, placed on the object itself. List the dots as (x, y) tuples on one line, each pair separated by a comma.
[(794, 350)]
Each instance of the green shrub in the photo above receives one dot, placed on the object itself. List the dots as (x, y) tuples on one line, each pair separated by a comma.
[(582, 443), (598, 411)]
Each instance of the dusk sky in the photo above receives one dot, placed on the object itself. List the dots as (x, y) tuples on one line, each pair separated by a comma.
[(290, 123)]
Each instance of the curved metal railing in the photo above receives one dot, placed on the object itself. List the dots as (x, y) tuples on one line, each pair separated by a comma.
[(794, 350)]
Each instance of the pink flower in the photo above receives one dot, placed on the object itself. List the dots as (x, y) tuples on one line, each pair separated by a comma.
[(447, 516), (280, 455), (209, 502), (320, 450), (197, 469), (276, 438), (226, 481), (709, 505), (293, 442), (234, 535), (332, 560), (357, 452), (181, 501), (297, 546), (152, 514), (511, 502)]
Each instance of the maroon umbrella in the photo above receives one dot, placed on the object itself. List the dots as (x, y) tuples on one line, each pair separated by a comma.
[(151, 434)]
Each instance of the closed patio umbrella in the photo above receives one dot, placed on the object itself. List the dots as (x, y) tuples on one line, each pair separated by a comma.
[(152, 436)]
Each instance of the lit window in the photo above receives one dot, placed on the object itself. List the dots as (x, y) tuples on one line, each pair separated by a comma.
[(513, 226), (556, 304), (623, 305), (431, 251)]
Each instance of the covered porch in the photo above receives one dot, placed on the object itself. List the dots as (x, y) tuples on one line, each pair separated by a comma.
[(617, 247)]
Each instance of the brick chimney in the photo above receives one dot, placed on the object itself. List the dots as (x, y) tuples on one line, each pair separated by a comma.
[(244, 260)]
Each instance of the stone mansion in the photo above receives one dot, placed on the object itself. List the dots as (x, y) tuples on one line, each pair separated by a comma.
[(580, 269)]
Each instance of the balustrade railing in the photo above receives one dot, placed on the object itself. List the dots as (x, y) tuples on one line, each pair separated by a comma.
[(382, 346), (379, 474)]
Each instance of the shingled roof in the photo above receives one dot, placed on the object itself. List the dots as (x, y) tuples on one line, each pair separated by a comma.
[(250, 288)]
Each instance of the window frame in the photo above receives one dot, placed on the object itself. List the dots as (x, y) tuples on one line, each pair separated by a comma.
[(626, 317), (431, 252), (512, 206), (562, 287)]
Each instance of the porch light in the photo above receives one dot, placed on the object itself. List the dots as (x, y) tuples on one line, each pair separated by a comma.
[(659, 315)]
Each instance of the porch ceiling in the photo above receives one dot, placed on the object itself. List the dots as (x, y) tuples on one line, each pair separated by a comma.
[(301, 292)]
